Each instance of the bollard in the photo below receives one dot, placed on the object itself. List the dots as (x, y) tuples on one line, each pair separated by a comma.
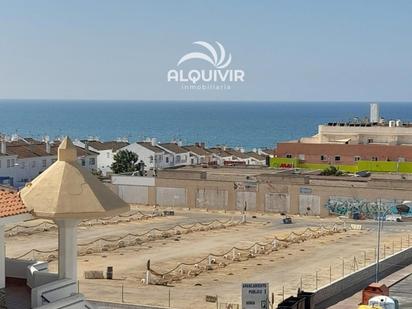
[(275, 245), (147, 277), (330, 273), (244, 218), (233, 254), (256, 249), (209, 260), (169, 297), (122, 293)]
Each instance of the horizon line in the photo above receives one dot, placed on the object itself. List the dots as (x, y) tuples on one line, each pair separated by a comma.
[(201, 101)]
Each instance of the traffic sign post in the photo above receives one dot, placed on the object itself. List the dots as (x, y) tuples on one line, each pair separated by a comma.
[(255, 295)]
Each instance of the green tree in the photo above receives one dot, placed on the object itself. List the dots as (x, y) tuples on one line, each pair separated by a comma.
[(331, 171), (125, 161)]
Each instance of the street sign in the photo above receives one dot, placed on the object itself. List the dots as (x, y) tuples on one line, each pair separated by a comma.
[(255, 295)]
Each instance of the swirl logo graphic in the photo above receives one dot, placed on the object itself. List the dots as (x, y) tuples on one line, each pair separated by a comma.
[(218, 62), (218, 77)]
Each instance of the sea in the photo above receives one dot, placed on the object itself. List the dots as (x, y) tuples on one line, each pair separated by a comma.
[(236, 124)]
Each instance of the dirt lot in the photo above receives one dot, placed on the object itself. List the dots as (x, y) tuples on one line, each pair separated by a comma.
[(309, 264)]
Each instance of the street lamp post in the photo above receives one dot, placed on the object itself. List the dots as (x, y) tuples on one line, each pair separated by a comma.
[(381, 213)]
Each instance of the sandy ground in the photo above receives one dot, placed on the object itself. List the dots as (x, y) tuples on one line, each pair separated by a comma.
[(309, 264)]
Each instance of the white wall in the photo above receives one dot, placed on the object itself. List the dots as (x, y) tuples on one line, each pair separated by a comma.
[(170, 196), (149, 157), (8, 171), (29, 168), (211, 198), (277, 202)]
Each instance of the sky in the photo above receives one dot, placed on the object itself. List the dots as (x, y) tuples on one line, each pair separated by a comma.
[(318, 50)]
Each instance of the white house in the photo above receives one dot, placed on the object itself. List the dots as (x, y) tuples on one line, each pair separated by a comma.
[(221, 156), (254, 158), (23, 160), (7, 165), (178, 154), (105, 150), (198, 154), (153, 156)]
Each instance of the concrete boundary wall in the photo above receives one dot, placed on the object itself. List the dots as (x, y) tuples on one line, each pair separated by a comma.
[(108, 305), (352, 283)]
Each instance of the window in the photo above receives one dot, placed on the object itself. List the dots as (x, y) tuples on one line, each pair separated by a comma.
[(337, 158), (44, 163), (92, 161), (323, 158), (301, 157), (83, 162), (151, 159), (289, 156), (357, 158), (167, 159), (8, 163), (23, 165), (13, 162), (374, 158), (370, 140), (177, 159)]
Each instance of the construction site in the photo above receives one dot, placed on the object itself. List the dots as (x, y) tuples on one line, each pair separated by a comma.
[(198, 258)]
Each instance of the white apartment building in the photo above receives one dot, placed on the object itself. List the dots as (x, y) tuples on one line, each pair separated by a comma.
[(372, 130)]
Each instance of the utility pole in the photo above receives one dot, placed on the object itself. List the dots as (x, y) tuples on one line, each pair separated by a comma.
[(378, 246)]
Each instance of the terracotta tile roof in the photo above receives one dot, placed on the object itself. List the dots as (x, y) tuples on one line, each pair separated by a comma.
[(30, 150), (237, 153), (11, 204), (113, 145), (201, 151), (148, 145), (81, 152), (219, 152), (173, 147), (255, 155)]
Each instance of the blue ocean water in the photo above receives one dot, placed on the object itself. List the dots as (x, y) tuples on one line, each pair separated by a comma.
[(248, 124)]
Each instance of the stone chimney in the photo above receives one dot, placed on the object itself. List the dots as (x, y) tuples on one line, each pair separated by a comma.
[(48, 147), (3, 148)]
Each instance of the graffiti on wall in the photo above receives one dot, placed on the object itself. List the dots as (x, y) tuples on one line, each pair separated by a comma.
[(369, 209)]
